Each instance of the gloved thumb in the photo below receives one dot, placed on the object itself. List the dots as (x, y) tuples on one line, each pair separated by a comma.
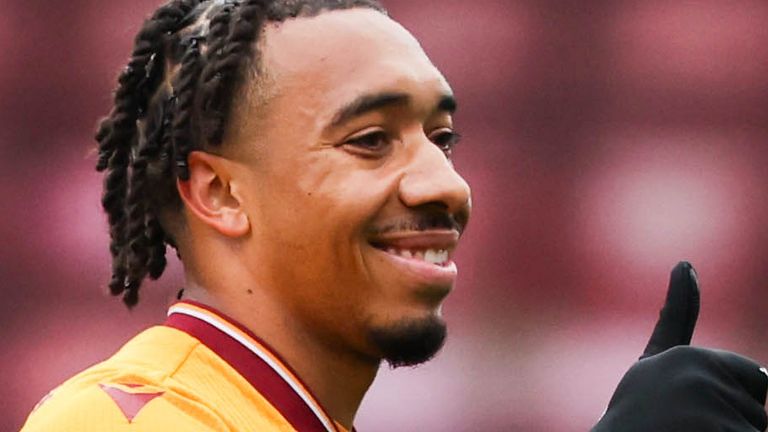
[(677, 318)]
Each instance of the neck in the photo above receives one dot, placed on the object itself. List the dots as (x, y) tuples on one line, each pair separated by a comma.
[(337, 379)]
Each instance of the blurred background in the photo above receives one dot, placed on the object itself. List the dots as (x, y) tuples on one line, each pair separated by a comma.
[(604, 141)]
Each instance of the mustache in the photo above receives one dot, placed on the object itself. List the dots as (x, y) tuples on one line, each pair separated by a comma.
[(423, 221)]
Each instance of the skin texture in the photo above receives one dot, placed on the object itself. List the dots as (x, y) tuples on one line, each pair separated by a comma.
[(280, 224)]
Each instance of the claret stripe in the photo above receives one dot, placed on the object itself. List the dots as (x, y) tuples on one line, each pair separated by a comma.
[(255, 361)]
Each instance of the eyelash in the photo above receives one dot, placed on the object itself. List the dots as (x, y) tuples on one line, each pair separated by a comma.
[(379, 138), (445, 140)]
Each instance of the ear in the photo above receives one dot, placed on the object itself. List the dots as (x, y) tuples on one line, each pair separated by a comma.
[(209, 195)]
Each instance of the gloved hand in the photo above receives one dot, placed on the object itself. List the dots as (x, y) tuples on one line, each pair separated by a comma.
[(678, 388)]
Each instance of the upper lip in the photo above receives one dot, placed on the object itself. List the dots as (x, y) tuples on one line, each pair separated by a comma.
[(437, 239)]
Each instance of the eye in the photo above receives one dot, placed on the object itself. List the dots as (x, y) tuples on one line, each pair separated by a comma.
[(371, 143), (445, 139)]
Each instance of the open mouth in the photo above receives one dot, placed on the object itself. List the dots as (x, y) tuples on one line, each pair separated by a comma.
[(439, 257), (423, 258), (431, 246)]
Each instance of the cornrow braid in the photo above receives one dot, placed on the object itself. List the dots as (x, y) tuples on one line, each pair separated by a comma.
[(224, 72), (142, 224), (217, 35), (156, 255), (156, 237), (185, 86), (212, 116), (129, 101), (175, 96), (117, 132)]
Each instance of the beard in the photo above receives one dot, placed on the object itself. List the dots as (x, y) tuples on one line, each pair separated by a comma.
[(411, 342)]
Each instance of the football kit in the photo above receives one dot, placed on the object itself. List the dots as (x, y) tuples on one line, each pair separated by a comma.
[(199, 371)]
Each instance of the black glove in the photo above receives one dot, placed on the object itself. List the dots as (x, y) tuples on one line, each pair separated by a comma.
[(678, 388)]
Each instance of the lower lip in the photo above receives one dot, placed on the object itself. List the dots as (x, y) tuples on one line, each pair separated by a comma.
[(424, 272)]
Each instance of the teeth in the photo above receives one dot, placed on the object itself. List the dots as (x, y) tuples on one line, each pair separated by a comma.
[(434, 256)]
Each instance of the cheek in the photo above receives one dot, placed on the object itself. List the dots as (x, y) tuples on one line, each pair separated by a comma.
[(316, 213), (311, 219), (343, 193)]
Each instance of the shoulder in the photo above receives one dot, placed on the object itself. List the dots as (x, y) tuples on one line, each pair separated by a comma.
[(129, 392), (120, 407)]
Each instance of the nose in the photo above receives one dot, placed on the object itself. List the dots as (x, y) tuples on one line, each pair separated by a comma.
[(430, 179)]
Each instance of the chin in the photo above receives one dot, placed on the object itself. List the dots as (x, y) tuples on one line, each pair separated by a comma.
[(409, 342)]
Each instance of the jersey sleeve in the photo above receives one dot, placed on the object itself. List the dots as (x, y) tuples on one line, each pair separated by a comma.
[(121, 408)]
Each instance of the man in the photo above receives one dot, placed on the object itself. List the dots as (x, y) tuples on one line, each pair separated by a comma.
[(297, 155)]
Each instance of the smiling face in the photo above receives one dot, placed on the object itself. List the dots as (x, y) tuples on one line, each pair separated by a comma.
[(354, 206)]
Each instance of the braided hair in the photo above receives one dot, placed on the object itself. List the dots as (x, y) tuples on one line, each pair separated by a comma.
[(175, 96)]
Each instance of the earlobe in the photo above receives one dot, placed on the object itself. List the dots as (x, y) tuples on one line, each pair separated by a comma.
[(209, 197)]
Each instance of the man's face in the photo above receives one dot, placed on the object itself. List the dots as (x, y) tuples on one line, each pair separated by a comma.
[(353, 202)]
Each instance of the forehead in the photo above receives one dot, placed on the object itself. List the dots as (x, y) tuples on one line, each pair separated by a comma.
[(338, 55)]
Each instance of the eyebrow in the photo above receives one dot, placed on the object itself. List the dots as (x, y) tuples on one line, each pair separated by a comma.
[(372, 102)]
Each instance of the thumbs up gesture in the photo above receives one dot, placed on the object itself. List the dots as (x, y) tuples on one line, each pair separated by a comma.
[(675, 387)]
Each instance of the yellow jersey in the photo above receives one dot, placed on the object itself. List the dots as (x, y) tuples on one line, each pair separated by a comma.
[(198, 372)]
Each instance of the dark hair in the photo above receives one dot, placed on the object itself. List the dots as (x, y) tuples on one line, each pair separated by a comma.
[(205, 48)]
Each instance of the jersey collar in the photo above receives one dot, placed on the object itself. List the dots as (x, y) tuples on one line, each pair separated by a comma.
[(255, 361)]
